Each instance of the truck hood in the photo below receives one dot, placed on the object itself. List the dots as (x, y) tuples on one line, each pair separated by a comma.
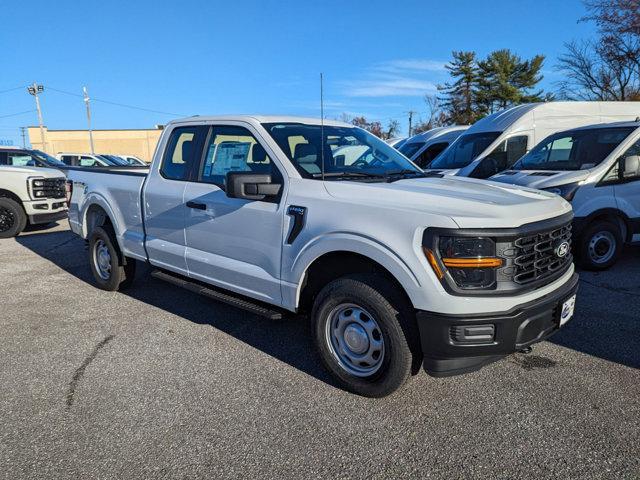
[(32, 171), (541, 178), (468, 202)]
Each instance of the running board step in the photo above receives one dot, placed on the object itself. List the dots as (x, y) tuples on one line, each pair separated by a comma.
[(244, 303)]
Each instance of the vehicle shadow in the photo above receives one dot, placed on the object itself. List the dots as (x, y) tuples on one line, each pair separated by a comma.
[(288, 340), (606, 324), (607, 320)]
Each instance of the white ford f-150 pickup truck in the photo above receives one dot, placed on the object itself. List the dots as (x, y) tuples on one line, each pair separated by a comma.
[(396, 269), (30, 195)]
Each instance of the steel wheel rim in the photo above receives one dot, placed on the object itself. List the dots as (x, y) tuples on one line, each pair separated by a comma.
[(7, 219), (102, 260), (602, 247), (355, 340)]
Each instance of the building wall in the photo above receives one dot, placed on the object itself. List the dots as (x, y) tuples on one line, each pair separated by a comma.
[(140, 143)]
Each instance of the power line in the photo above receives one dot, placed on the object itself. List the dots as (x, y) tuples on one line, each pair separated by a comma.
[(118, 104), (13, 89), (16, 114)]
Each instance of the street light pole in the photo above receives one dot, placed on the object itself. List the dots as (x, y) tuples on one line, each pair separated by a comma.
[(34, 90), (86, 101)]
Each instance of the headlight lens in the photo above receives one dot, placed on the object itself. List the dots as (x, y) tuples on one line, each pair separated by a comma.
[(567, 191), (470, 261)]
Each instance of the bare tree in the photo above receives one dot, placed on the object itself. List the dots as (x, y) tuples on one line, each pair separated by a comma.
[(607, 68)]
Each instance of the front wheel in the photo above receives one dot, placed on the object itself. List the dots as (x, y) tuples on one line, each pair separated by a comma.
[(600, 246), (365, 334), (104, 257), (13, 220)]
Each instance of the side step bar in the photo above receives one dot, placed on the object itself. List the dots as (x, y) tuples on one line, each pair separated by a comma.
[(253, 306)]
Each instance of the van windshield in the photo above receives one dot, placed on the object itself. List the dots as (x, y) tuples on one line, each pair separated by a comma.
[(574, 150), (464, 150), (347, 152)]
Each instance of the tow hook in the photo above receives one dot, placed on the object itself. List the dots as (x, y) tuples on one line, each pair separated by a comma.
[(526, 350)]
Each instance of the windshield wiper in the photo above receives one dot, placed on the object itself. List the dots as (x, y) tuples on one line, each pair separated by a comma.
[(348, 175), (395, 175)]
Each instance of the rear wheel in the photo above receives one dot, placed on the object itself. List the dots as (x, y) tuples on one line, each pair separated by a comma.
[(365, 334), (13, 219), (600, 245), (104, 257)]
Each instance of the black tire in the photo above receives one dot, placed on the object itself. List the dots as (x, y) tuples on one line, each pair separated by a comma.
[(599, 245), (119, 275), (397, 326), (13, 219)]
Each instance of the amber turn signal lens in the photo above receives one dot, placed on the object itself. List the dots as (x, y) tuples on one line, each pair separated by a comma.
[(481, 262), (433, 262)]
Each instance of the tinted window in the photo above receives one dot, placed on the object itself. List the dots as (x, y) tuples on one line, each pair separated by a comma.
[(464, 150), (233, 149), (432, 151), (574, 150), (182, 152), (409, 149), (502, 157)]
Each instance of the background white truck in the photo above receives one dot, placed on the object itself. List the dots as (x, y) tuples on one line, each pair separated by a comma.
[(30, 195), (395, 270)]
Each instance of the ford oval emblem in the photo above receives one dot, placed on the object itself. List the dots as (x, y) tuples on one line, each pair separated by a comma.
[(562, 250)]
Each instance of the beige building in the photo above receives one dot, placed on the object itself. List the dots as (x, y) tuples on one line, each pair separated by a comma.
[(140, 143)]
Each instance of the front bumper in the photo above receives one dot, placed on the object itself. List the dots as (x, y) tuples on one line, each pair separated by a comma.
[(445, 354), (50, 217)]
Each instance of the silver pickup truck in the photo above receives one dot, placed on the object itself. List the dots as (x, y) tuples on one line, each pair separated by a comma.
[(395, 269)]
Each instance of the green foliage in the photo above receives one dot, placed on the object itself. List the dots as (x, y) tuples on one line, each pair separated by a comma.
[(480, 87)]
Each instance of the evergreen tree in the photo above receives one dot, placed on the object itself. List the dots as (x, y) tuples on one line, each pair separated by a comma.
[(504, 79), (458, 101)]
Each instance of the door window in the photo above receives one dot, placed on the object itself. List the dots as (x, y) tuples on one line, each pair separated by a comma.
[(182, 152), (633, 151), (19, 159), (431, 152), (502, 157), (233, 149), (88, 162)]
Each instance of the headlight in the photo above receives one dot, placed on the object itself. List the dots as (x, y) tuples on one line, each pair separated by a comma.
[(567, 191), (470, 261)]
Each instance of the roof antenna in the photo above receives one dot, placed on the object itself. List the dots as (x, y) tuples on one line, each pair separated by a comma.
[(322, 125)]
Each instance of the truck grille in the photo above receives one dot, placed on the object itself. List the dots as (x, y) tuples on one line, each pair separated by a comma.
[(536, 256), (48, 188)]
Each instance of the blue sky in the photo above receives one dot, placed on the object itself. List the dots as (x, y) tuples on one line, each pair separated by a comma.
[(186, 57)]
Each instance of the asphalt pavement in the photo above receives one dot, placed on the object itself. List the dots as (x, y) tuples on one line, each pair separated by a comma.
[(160, 383)]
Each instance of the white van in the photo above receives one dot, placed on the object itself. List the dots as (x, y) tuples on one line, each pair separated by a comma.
[(597, 169), (424, 147), (496, 142)]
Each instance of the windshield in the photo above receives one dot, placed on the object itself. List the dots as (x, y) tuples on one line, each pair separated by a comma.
[(115, 160), (464, 150), (410, 149), (347, 151), (574, 150), (48, 159)]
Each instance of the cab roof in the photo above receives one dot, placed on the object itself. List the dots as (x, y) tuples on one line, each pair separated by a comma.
[(260, 119)]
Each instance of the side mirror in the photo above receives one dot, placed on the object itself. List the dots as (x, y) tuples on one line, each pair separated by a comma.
[(251, 186), (631, 166)]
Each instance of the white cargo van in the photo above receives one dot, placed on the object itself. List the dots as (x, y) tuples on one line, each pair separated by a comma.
[(496, 142), (424, 147), (597, 169)]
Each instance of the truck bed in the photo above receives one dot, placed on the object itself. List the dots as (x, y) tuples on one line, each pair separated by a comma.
[(118, 191)]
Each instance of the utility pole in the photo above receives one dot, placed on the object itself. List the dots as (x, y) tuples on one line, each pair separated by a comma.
[(34, 90), (23, 133), (410, 112), (86, 101)]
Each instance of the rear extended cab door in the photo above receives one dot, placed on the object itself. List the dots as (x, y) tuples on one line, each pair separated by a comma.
[(164, 206)]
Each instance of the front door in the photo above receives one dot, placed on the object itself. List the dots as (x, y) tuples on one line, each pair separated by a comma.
[(234, 243), (627, 192)]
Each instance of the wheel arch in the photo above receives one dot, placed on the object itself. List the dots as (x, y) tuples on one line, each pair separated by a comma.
[(608, 214), (11, 195), (335, 264)]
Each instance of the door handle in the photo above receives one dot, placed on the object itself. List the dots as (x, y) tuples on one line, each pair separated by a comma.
[(196, 205)]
